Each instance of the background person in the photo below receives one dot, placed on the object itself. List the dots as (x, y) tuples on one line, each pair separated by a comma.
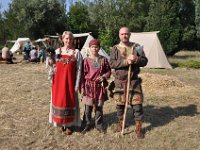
[(27, 49), (33, 55), (6, 54), (41, 55)]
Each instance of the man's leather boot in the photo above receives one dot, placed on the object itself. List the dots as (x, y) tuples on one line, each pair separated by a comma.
[(138, 129), (119, 126)]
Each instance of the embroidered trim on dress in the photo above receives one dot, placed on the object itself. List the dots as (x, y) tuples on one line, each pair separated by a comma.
[(63, 112)]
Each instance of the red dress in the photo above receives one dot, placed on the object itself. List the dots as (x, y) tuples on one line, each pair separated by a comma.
[(63, 91)]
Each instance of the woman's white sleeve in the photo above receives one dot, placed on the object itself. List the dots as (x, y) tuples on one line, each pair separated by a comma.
[(79, 60)]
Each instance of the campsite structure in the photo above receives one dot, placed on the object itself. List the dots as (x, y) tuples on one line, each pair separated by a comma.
[(149, 40), (19, 43), (81, 42), (152, 49)]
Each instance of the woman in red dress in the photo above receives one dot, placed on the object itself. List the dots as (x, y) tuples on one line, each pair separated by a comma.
[(65, 110)]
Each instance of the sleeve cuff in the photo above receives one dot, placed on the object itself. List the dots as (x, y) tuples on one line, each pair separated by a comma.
[(136, 61)]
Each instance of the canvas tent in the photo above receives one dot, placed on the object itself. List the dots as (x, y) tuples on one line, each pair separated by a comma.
[(18, 44), (43, 41), (152, 49)]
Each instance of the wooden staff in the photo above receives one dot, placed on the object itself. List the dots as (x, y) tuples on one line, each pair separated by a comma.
[(127, 97)]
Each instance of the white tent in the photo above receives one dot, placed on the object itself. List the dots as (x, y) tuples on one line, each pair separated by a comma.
[(40, 40), (85, 49), (152, 49), (18, 44), (43, 41)]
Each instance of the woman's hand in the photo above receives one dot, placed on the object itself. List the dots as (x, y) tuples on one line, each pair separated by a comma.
[(51, 62), (82, 92)]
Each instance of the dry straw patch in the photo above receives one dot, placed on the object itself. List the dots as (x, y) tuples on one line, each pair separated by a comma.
[(156, 81), (156, 84), (171, 109)]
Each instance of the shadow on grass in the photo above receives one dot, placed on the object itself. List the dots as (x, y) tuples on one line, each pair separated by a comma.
[(164, 115), (111, 118), (174, 65), (155, 116)]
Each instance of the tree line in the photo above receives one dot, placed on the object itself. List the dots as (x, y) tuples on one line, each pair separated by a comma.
[(178, 21)]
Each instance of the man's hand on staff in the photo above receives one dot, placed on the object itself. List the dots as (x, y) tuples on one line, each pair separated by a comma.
[(132, 59)]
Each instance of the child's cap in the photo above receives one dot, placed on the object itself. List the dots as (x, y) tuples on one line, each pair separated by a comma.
[(94, 42)]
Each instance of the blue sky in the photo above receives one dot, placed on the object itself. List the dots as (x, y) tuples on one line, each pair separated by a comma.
[(4, 4)]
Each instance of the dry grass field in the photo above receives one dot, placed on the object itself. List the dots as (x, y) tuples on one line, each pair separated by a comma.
[(171, 108)]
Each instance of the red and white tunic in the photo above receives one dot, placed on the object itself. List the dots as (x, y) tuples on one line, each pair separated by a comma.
[(94, 91)]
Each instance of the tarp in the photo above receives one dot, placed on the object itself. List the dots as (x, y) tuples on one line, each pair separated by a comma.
[(43, 41), (18, 44), (81, 34), (152, 49), (40, 40)]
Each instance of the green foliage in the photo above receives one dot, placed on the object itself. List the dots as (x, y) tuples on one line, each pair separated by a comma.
[(189, 33), (187, 18), (186, 59), (1, 28), (108, 16), (78, 20), (178, 21), (190, 64), (117, 14), (163, 17), (106, 40), (197, 17), (35, 18)]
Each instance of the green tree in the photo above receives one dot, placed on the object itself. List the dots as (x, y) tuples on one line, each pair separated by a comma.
[(36, 18), (109, 16), (163, 17), (1, 28), (187, 18), (78, 18), (105, 18), (12, 26), (197, 17)]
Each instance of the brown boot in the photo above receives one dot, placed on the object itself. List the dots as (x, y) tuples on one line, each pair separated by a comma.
[(119, 126), (68, 131), (138, 129)]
